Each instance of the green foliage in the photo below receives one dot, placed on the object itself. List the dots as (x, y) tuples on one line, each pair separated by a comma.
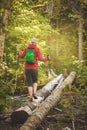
[(6, 104), (74, 102), (7, 85), (82, 76)]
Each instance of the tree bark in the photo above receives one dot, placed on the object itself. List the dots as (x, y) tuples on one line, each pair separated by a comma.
[(80, 35), (48, 88), (3, 30), (37, 117)]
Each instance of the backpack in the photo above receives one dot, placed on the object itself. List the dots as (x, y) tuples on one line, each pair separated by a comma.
[(30, 56)]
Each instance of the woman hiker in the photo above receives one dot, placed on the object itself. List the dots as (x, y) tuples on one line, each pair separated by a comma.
[(33, 53)]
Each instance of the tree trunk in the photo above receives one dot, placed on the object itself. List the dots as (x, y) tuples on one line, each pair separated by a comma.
[(80, 35), (3, 30), (37, 117)]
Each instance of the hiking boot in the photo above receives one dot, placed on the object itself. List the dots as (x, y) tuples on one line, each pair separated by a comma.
[(31, 99), (35, 96)]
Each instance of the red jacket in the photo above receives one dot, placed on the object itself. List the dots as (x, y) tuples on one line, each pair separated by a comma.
[(38, 56)]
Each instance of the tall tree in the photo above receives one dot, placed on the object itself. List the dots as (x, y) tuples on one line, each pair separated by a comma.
[(3, 30), (80, 35)]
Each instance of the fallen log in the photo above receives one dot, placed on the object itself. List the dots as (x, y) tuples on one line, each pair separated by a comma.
[(37, 117), (21, 114), (49, 87)]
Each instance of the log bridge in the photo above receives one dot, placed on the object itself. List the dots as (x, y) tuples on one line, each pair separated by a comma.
[(31, 114)]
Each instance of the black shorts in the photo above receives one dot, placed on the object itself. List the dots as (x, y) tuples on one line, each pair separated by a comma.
[(31, 77)]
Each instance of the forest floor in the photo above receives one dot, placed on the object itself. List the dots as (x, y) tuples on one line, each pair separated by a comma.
[(55, 120), (60, 117)]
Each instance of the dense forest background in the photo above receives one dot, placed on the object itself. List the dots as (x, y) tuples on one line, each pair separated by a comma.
[(61, 29)]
